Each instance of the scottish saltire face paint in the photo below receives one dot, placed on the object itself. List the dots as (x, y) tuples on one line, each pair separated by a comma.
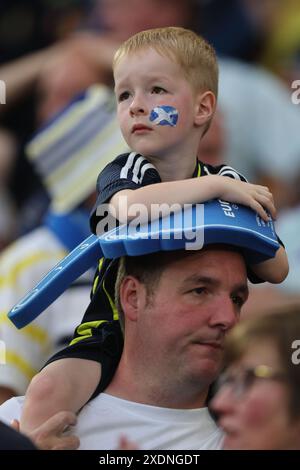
[(164, 116)]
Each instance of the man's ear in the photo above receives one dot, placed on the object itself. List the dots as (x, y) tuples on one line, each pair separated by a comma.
[(132, 293), (204, 107)]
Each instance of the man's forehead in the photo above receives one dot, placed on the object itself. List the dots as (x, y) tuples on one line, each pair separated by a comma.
[(213, 253), (210, 260)]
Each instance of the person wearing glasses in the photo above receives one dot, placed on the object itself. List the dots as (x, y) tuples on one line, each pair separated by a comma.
[(258, 399)]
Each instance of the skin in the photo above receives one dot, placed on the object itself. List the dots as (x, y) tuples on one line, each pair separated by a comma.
[(144, 80), (260, 419), (195, 304), (50, 435)]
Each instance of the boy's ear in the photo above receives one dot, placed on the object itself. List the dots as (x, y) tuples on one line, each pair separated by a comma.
[(205, 106)]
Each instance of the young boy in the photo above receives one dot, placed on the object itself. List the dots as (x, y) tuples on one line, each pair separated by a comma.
[(166, 86)]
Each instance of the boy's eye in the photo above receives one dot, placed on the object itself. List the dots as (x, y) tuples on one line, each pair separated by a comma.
[(158, 90), (123, 96)]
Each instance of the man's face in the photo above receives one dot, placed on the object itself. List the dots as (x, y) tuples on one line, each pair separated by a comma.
[(182, 328), (145, 81)]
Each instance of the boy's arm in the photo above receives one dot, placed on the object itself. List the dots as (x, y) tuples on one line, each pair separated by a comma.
[(191, 191), (53, 391), (274, 270)]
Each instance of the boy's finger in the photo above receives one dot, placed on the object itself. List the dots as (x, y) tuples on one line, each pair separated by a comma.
[(260, 210), (271, 207)]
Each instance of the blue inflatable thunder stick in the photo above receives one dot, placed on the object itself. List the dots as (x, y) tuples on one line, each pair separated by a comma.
[(191, 228)]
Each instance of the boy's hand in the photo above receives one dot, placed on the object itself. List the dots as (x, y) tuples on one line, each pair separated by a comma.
[(51, 434), (259, 198)]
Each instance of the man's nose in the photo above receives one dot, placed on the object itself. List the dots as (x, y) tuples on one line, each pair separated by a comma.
[(138, 106), (224, 313)]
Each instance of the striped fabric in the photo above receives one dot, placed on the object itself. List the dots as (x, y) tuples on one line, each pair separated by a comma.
[(22, 265), (72, 148)]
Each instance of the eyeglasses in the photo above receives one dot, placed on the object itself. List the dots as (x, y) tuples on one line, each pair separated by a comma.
[(240, 382)]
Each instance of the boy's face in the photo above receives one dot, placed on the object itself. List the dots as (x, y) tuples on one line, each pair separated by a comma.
[(156, 104)]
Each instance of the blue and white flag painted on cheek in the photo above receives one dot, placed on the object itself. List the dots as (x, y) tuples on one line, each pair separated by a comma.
[(164, 116)]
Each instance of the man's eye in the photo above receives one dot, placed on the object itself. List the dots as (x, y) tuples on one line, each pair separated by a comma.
[(236, 299), (158, 90), (123, 96), (199, 290)]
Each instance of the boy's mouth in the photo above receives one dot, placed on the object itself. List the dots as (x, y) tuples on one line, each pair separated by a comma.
[(140, 128)]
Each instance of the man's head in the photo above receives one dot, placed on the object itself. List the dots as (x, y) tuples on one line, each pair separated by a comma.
[(178, 307), (166, 82)]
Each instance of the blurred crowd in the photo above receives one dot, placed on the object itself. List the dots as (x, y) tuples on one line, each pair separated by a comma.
[(51, 51)]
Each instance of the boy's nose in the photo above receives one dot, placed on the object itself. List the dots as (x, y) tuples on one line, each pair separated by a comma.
[(137, 107)]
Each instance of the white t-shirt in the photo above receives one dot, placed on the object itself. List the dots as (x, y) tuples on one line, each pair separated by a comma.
[(103, 420)]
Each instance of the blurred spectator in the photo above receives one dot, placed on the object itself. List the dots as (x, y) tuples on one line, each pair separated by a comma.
[(68, 153), (26, 26), (261, 127), (237, 28), (8, 152), (22, 265), (258, 402), (281, 53), (228, 28)]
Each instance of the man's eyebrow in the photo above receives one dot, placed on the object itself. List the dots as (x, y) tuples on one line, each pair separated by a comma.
[(195, 279), (199, 279)]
